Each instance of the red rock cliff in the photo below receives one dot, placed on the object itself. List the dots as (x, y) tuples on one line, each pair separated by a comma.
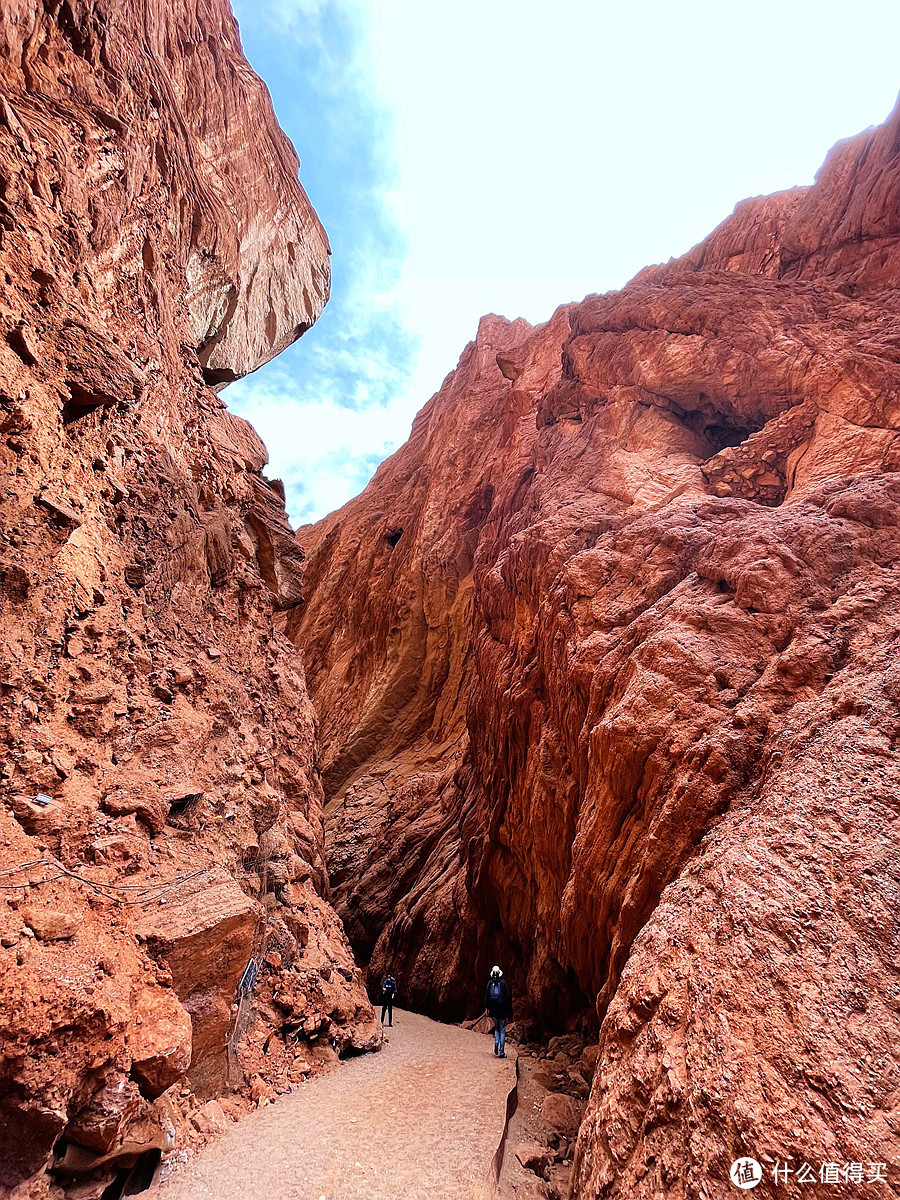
[(161, 852), (603, 660)]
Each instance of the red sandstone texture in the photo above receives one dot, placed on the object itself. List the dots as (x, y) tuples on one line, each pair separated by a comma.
[(604, 661), (160, 807)]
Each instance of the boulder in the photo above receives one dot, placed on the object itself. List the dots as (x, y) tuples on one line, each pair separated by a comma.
[(588, 1061), (562, 1112), (161, 1044), (30, 1132), (101, 1122), (144, 799), (210, 1119), (569, 1045), (50, 924), (533, 1156)]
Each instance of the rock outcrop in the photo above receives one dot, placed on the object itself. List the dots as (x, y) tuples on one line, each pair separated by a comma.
[(603, 660), (163, 926)]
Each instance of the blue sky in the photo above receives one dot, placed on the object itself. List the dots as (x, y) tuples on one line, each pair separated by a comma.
[(510, 157)]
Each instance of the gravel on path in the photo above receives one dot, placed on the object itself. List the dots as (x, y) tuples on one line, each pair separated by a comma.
[(420, 1120)]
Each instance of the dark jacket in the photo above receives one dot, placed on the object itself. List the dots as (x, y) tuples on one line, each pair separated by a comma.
[(501, 1007), (389, 988)]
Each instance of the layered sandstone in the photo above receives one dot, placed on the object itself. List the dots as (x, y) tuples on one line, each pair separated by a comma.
[(163, 932), (603, 665)]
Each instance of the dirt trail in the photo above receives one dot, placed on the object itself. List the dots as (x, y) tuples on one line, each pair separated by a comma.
[(421, 1118)]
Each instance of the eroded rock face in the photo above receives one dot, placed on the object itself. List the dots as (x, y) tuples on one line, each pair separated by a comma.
[(603, 665), (160, 827), (142, 139)]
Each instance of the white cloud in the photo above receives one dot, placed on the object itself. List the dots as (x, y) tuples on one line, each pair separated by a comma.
[(323, 451)]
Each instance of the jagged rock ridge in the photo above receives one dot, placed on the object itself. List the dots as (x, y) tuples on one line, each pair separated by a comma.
[(163, 906), (603, 660)]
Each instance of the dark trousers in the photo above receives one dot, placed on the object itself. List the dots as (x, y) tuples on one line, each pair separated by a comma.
[(388, 1007), (500, 1034)]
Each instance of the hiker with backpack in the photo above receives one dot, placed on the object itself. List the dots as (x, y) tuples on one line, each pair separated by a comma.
[(498, 1002), (388, 992)]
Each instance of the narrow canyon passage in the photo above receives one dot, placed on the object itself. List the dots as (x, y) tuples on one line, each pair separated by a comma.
[(422, 1118), (598, 678)]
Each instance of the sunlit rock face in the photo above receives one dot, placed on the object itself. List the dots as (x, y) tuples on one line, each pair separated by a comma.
[(603, 661), (160, 824), (150, 152)]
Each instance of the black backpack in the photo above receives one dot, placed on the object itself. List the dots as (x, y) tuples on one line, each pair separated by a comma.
[(495, 991)]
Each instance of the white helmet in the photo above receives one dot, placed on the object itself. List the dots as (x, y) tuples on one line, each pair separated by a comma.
[(496, 971)]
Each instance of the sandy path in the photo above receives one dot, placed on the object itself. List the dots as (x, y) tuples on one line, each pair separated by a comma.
[(421, 1119)]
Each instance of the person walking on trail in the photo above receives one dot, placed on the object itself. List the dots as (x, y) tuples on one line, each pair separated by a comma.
[(498, 1002), (388, 992)]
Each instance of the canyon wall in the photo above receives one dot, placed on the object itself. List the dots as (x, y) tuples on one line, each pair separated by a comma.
[(164, 932), (604, 660)]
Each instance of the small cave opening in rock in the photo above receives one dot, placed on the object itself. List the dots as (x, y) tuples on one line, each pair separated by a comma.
[(351, 1051), (81, 403), (719, 429), (134, 1176), (723, 436), (218, 377), (251, 858), (182, 810), (131, 1181), (393, 536)]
